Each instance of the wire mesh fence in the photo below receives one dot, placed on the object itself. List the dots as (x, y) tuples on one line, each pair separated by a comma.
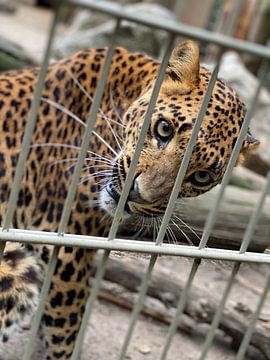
[(7, 233)]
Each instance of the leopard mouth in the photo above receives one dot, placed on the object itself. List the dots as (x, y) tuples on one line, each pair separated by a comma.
[(109, 200), (134, 206), (113, 193)]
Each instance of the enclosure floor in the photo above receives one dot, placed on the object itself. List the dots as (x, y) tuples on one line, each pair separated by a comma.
[(105, 335), (106, 330)]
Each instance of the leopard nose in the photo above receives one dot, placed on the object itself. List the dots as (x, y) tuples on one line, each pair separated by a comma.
[(134, 194)]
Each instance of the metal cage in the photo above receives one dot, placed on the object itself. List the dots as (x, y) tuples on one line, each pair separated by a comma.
[(173, 29)]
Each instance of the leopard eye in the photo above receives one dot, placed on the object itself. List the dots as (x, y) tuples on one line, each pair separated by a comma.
[(201, 178), (163, 130)]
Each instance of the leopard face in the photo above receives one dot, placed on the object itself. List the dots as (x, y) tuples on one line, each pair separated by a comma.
[(171, 125)]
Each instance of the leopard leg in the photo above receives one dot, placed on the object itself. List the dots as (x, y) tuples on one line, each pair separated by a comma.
[(66, 301), (20, 282)]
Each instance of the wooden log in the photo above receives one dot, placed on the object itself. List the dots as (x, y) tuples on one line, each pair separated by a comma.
[(232, 219), (247, 179), (13, 56), (200, 308)]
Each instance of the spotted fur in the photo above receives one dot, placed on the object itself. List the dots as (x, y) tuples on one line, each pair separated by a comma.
[(70, 84)]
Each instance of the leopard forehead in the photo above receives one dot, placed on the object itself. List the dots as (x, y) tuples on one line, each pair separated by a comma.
[(222, 120)]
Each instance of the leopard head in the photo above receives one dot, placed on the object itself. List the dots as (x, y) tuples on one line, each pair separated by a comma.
[(173, 119)]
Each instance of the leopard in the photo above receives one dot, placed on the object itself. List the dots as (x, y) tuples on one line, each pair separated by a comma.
[(67, 96)]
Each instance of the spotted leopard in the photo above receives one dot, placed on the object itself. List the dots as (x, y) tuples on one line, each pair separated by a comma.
[(67, 96)]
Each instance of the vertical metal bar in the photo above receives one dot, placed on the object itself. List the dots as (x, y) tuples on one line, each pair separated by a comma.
[(184, 165), (2, 248), (255, 217), (233, 17), (29, 129), (41, 305), (125, 192), (138, 306), (92, 117), (140, 142), (87, 134), (214, 210), (143, 132), (179, 8), (180, 308), (72, 190), (89, 305), (219, 311), (246, 339)]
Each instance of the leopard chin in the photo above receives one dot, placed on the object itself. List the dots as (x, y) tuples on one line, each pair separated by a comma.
[(109, 201)]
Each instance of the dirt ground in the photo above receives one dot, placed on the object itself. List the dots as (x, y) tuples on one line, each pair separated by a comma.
[(108, 324), (106, 330)]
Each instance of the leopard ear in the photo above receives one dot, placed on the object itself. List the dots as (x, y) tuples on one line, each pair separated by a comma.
[(250, 144), (182, 73)]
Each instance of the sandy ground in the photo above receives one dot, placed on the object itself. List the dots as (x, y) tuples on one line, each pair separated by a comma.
[(108, 324)]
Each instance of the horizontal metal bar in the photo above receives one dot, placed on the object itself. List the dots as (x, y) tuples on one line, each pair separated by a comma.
[(93, 242), (173, 26)]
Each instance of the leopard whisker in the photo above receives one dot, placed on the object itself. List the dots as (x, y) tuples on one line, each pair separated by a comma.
[(114, 107), (100, 161), (182, 232), (93, 166), (61, 161), (186, 225), (88, 177), (112, 161), (103, 115), (63, 109), (105, 143), (76, 118), (68, 146), (172, 234)]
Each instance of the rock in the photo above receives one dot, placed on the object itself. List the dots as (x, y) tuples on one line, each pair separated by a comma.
[(90, 30), (6, 7), (13, 56), (143, 349)]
